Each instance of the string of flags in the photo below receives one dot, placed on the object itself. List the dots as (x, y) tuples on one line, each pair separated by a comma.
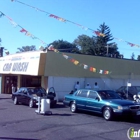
[(22, 30), (83, 27), (74, 61), (77, 63)]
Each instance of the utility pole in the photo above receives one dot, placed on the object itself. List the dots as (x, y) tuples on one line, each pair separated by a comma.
[(1, 51), (107, 49)]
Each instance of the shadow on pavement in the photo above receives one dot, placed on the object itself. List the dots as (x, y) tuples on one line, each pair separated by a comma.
[(57, 114), (8, 138), (127, 119), (4, 98), (59, 105)]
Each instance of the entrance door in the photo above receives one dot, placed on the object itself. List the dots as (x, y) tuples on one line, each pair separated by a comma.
[(8, 81)]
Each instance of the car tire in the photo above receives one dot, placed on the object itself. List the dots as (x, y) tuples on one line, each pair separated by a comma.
[(107, 113), (73, 107), (15, 101), (31, 105)]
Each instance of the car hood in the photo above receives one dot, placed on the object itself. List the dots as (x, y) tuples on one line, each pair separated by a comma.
[(44, 97), (121, 102)]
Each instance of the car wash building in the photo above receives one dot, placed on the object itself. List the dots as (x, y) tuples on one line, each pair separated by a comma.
[(63, 70)]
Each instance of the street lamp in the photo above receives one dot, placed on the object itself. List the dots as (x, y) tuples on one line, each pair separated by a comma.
[(107, 50)]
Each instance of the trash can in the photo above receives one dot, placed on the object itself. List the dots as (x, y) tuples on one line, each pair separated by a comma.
[(45, 105)]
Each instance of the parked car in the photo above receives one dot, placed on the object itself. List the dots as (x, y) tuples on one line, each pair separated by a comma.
[(128, 92), (136, 97), (29, 96), (106, 102)]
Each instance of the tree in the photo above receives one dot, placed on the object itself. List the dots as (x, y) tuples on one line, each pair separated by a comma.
[(138, 57), (103, 42), (64, 46), (133, 56), (98, 45), (26, 49), (0, 41), (86, 44)]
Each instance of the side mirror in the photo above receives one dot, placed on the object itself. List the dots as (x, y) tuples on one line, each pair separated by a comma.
[(25, 93), (97, 98)]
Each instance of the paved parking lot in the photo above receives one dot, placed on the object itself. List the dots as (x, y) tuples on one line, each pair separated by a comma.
[(19, 122)]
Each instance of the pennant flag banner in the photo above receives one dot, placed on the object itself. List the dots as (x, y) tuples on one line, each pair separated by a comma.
[(92, 69), (65, 56), (1, 14), (64, 20), (85, 66), (22, 29)]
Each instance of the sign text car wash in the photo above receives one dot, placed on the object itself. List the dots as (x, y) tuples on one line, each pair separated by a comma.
[(17, 66)]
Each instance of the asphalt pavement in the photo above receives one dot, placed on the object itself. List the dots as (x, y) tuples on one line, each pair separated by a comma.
[(19, 122)]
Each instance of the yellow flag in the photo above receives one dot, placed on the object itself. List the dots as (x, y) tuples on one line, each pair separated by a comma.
[(103, 35), (76, 62)]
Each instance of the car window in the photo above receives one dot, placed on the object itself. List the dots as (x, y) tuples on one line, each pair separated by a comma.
[(20, 90), (138, 88), (51, 92), (24, 90), (132, 89), (31, 91), (108, 95), (92, 94), (121, 88), (82, 93)]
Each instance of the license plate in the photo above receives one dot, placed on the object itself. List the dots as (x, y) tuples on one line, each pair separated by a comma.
[(138, 112)]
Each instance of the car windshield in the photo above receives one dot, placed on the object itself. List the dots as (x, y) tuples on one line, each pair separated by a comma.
[(37, 91), (108, 95), (138, 88)]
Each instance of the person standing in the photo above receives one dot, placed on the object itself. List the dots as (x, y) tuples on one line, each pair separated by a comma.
[(96, 87), (77, 86), (88, 86), (13, 88)]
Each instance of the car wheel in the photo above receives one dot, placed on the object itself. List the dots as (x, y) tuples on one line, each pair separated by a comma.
[(73, 107), (15, 100), (107, 113), (31, 103)]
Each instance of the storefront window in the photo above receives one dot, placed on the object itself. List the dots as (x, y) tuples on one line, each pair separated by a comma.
[(31, 81)]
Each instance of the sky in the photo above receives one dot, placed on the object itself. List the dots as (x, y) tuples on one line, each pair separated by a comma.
[(122, 17)]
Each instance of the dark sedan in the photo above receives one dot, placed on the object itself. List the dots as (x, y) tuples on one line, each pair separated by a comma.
[(106, 102), (128, 92), (29, 96)]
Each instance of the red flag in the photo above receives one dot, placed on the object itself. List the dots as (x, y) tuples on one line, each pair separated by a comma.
[(54, 16), (106, 72), (23, 30), (97, 33), (72, 60), (131, 44)]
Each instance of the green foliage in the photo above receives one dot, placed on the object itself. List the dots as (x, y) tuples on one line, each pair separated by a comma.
[(98, 45), (133, 56), (26, 49), (0, 41), (86, 44), (64, 46), (138, 58)]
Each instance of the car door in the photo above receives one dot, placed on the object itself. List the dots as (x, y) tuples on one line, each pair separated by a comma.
[(93, 102), (81, 98), (19, 95), (26, 96)]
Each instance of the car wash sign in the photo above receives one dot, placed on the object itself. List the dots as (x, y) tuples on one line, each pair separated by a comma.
[(18, 66), (23, 63)]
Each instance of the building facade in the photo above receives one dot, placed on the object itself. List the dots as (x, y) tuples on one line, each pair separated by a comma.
[(62, 71)]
